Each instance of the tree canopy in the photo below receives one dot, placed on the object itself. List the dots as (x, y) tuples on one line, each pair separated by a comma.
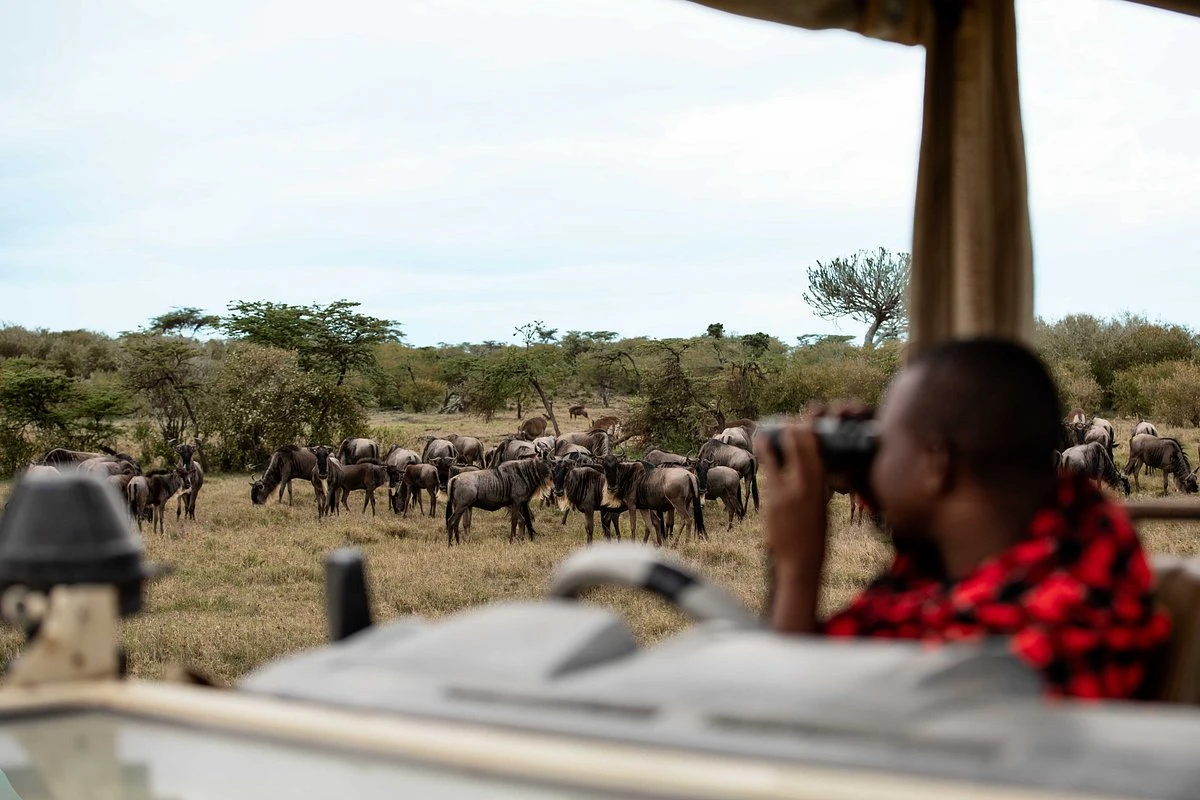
[(869, 286)]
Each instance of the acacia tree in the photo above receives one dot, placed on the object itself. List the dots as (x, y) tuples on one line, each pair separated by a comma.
[(178, 320), (868, 286), (167, 372)]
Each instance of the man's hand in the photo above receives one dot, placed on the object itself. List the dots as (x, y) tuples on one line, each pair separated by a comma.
[(794, 520)]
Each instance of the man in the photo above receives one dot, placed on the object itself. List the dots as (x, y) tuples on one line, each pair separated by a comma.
[(990, 539)]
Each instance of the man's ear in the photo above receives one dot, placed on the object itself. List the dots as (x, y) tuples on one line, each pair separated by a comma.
[(937, 469)]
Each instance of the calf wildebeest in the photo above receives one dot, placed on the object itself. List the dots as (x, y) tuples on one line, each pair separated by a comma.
[(326, 479), (367, 475), (1101, 431), (661, 457), (511, 449), (533, 427), (287, 463), (1164, 454), (186, 503), (416, 478), (645, 488), (578, 411), (595, 440), (470, 449), (1145, 427), (154, 490), (582, 488), (745, 464), (1092, 461), (511, 485), (353, 450), (724, 484), (438, 448)]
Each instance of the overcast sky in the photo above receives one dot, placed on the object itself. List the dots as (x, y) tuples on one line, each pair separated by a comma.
[(464, 166)]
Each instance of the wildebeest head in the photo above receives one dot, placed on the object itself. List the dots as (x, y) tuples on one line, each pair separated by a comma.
[(322, 453), (442, 465), (702, 467), (612, 470), (561, 467), (258, 492)]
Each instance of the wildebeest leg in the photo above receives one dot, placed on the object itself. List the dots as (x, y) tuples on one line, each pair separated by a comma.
[(649, 521), (732, 509), (433, 493), (289, 488), (1164, 474), (566, 511), (589, 524)]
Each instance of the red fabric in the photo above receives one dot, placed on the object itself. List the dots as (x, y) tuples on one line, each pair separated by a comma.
[(1074, 597)]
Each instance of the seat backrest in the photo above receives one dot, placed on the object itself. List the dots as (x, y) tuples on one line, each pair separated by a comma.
[(1177, 586)]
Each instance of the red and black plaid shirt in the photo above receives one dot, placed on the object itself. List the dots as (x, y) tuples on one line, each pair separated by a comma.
[(1075, 597)]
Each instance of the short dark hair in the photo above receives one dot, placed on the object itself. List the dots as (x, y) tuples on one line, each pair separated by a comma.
[(995, 404)]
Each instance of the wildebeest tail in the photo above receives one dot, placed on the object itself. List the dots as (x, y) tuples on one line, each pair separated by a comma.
[(754, 481), (108, 450), (449, 502), (698, 510), (741, 501)]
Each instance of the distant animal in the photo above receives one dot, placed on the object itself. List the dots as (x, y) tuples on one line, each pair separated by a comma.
[(595, 440), (1091, 460), (396, 460), (186, 503), (1162, 453), (578, 411), (1102, 431), (438, 448), (724, 484), (353, 450), (610, 424), (533, 427), (721, 454), (1145, 427), (582, 488), (154, 491), (470, 449), (511, 449), (287, 463), (367, 476), (418, 478), (1075, 425), (326, 479), (645, 488), (662, 458), (511, 485)]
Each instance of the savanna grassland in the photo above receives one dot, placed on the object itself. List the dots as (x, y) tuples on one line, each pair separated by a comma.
[(247, 584)]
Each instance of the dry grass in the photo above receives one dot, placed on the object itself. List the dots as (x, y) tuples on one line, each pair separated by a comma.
[(247, 585)]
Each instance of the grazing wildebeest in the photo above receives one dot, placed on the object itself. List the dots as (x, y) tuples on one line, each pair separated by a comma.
[(533, 427), (595, 440), (1145, 427), (1092, 461), (470, 449), (326, 479), (186, 504), (155, 490), (1161, 453), (367, 475), (582, 488), (738, 437), (354, 450), (511, 449), (745, 464), (645, 488), (438, 448), (1102, 431), (578, 411), (287, 463), (661, 457), (724, 484), (511, 485)]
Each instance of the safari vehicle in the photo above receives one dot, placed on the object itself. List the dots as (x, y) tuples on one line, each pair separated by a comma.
[(554, 698)]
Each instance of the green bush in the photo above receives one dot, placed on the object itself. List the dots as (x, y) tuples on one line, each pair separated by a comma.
[(1076, 386), (1175, 397)]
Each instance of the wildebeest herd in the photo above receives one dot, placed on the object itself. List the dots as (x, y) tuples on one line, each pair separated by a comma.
[(581, 471)]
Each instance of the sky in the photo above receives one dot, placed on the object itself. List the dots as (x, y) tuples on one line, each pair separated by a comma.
[(467, 166)]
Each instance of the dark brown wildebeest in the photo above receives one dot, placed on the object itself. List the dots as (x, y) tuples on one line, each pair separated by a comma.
[(287, 463), (415, 478), (353, 450), (644, 488), (396, 460), (661, 458), (1101, 431), (470, 449), (1161, 453), (595, 440), (744, 463), (578, 411), (1074, 426), (438, 448), (154, 490), (533, 427), (582, 489), (724, 484), (1145, 427), (326, 479), (1092, 461), (367, 476), (187, 501), (511, 485), (511, 449)]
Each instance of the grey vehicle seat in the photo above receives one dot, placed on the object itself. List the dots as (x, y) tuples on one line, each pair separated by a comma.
[(1177, 585)]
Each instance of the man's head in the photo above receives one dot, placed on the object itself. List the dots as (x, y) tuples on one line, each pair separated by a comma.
[(979, 416)]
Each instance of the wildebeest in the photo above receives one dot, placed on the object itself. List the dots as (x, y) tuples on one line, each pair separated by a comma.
[(154, 490), (578, 411), (396, 460), (744, 463), (724, 484), (1145, 427), (1092, 461), (61, 457), (750, 425), (118, 482), (610, 424), (438, 448), (582, 488), (104, 466), (186, 503), (287, 463), (470, 449), (326, 479), (1101, 431), (354, 449), (645, 488), (1075, 425), (738, 437), (367, 475), (660, 457), (533, 427), (415, 478), (1161, 453), (511, 485), (595, 440), (511, 449)]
